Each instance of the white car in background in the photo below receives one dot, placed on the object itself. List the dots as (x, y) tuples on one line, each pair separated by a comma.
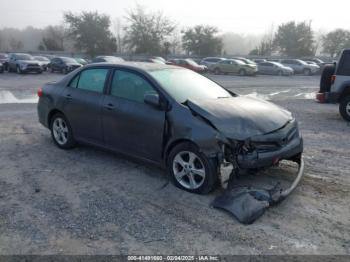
[(300, 66)]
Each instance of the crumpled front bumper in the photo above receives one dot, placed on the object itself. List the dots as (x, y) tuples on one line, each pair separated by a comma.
[(256, 159)]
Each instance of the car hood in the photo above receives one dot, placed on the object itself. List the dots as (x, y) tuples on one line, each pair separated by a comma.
[(241, 117)]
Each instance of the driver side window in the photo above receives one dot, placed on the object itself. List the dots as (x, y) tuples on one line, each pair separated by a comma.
[(130, 86)]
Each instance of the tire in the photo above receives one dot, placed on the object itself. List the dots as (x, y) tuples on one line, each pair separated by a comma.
[(326, 81), (344, 108), (198, 176), (242, 72), (61, 132), (40, 72), (52, 70), (217, 71), (18, 70), (307, 72)]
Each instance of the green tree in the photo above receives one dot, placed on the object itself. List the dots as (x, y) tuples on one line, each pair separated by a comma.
[(335, 41), (147, 33), (202, 40), (90, 32), (295, 39)]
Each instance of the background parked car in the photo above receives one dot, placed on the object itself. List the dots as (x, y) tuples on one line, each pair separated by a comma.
[(189, 64), (107, 59), (4, 60), (1, 68), (81, 61), (274, 68), (340, 85), (43, 62), (208, 61), (300, 66), (64, 65), (23, 63), (230, 66)]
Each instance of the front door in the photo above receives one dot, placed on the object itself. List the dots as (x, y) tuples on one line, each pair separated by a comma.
[(129, 125)]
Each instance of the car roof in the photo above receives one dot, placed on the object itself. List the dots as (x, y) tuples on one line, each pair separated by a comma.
[(144, 66)]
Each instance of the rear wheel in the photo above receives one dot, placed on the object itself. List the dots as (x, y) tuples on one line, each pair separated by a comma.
[(307, 72), (344, 108), (191, 170), (61, 132)]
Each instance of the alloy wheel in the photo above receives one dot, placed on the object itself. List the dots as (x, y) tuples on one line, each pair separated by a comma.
[(60, 131), (347, 109), (189, 170)]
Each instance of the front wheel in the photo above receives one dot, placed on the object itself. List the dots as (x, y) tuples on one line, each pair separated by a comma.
[(217, 71), (19, 71), (61, 132), (191, 170), (242, 72), (344, 108)]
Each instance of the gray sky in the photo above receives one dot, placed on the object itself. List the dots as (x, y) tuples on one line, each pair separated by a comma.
[(247, 17)]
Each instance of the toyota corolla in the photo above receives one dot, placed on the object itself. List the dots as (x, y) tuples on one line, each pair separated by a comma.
[(168, 115)]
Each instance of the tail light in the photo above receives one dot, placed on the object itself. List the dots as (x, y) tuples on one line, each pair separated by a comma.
[(333, 77), (40, 92)]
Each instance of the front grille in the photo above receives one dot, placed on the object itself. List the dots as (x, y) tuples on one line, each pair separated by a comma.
[(276, 140)]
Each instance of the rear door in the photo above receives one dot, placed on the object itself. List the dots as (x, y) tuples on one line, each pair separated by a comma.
[(130, 125), (82, 100)]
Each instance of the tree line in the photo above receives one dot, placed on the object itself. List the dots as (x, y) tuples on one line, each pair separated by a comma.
[(152, 33)]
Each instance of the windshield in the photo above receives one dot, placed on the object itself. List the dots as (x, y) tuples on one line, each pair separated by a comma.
[(68, 60), (191, 62), (277, 64), (24, 57), (240, 62), (185, 85), (41, 58)]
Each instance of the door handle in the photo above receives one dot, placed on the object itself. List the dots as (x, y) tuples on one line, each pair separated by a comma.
[(68, 96), (109, 106)]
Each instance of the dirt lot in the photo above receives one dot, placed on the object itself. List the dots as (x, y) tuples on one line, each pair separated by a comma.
[(87, 201)]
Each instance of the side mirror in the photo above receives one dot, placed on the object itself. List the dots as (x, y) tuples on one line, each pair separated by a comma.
[(152, 99)]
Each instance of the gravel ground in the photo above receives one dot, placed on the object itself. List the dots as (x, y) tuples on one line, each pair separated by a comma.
[(87, 201)]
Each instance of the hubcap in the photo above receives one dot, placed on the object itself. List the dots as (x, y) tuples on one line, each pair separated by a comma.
[(347, 109), (60, 131), (188, 170)]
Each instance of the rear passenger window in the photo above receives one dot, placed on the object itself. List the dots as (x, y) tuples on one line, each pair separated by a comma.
[(130, 86), (74, 83), (344, 65), (93, 80)]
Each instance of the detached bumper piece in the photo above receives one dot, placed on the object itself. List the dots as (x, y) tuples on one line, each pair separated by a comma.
[(247, 203)]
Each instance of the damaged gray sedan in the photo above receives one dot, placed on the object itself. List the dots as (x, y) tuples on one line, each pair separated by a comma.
[(170, 116)]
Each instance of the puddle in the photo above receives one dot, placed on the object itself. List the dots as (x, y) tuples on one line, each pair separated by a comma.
[(6, 97)]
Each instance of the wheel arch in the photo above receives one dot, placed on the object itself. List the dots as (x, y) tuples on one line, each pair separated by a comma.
[(173, 144), (51, 114)]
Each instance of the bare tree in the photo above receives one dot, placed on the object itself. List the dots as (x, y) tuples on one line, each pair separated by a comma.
[(146, 33)]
